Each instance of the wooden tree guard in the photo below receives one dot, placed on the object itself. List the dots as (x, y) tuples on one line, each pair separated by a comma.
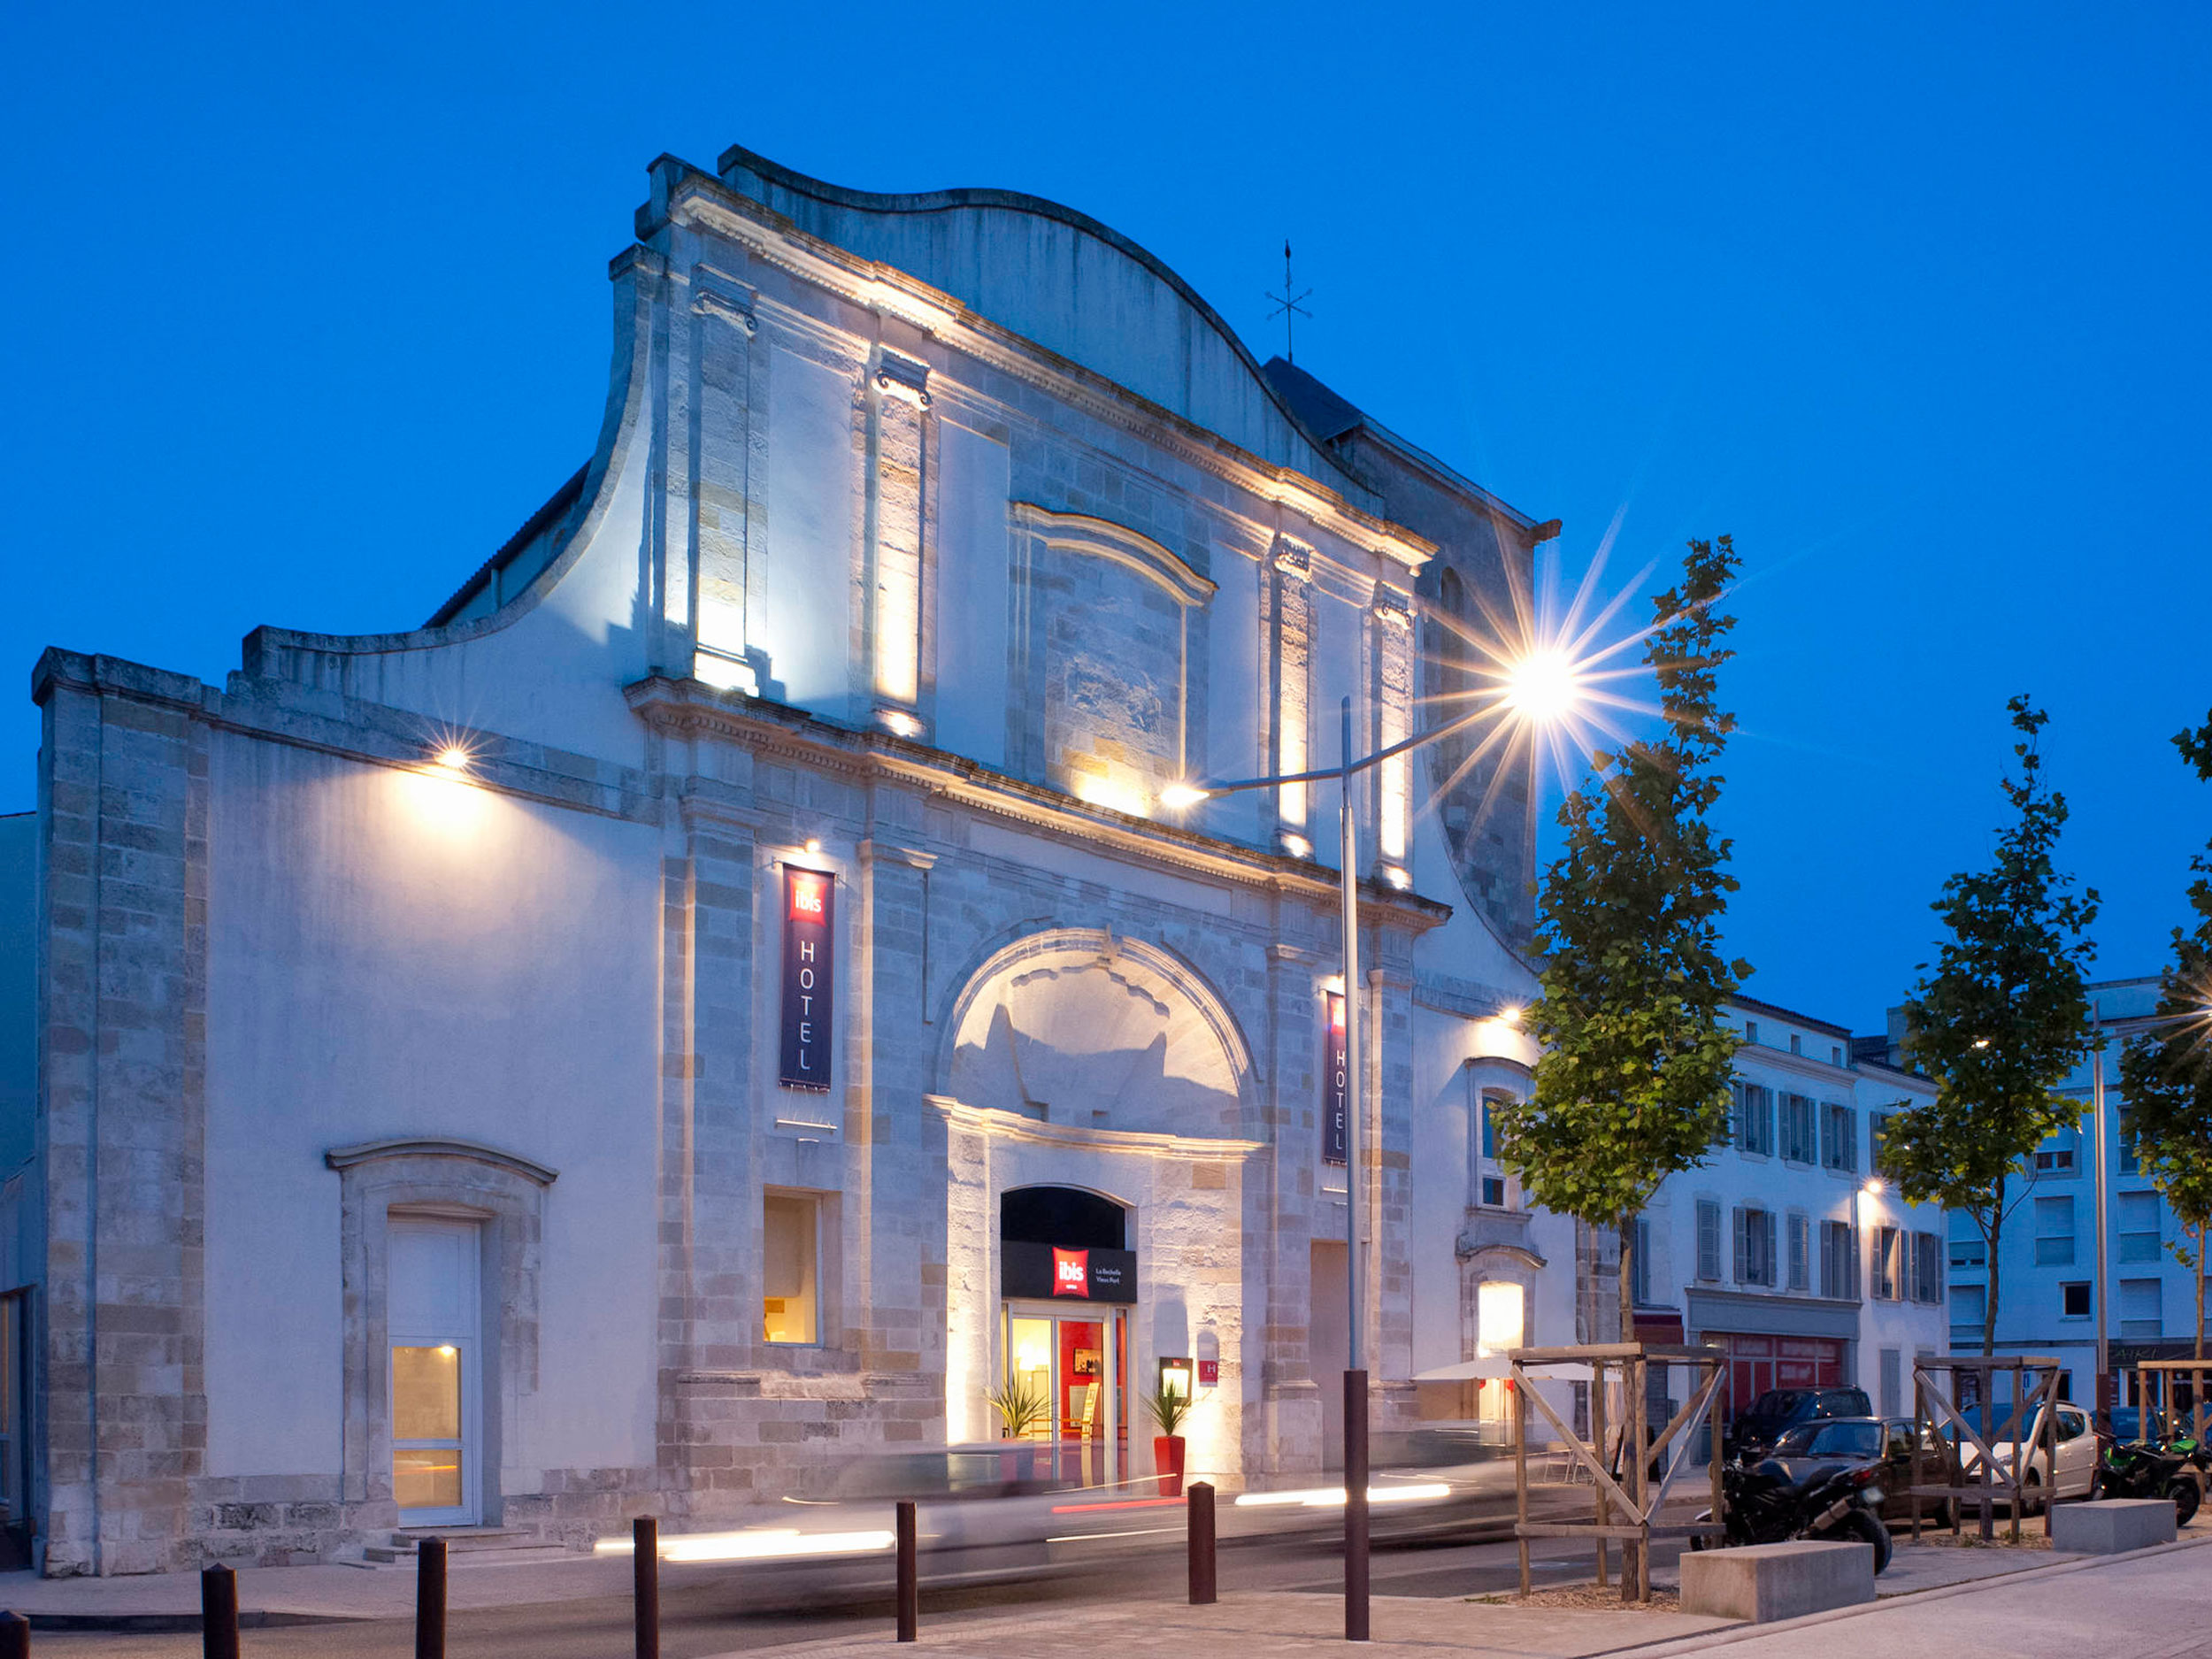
[(2198, 1372), (1635, 1503), (1996, 1481)]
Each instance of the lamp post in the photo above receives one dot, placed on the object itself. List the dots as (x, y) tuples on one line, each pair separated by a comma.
[(1542, 685)]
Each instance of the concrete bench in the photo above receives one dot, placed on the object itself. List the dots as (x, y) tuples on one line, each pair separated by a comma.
[(2111, 1525), (1766, 1582)]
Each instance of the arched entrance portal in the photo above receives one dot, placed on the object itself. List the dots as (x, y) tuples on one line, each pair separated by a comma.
[(1068, 1280), (1094, 1088)]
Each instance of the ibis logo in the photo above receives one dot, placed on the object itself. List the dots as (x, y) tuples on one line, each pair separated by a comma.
[(1071, 1273), (807, 897)]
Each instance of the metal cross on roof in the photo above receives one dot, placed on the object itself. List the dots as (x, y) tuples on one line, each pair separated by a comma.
[(1288, 309)]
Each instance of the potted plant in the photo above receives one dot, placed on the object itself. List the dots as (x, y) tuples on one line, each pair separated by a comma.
[(1168, 1407), (1021, 1405)]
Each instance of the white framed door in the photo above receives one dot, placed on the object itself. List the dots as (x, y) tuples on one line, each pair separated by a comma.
[(432, 1314)]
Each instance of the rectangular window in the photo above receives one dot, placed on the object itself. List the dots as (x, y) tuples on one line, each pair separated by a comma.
[(1886, 1287), (1875, 1123), (1759, 1132), (1968, 1248), (2139, 1227), (790, 1224), (1751, 1031), (1838, 1262), (1927, 1268), (1707, 1239), (1494, 1192), (1969, 1303), (2139, 1310), (1724, 1131), (1755, 1245), (1801, 1252), (1841, 1149), (1489, 1126), (2073, 1302), (1640, 1277), (2129, 1164), (2058, 1156), (1799, 1145), (2054, 1232)]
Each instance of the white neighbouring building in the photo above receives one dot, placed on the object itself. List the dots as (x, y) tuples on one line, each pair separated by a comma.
[(1785, 1247), (642, 1037)]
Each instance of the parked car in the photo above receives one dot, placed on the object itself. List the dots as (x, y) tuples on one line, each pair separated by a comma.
[(1778, 1409), (1828, 1443), (2077, 1451)]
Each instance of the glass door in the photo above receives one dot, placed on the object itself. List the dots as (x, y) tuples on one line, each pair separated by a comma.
[(1078, 1362), (431, 1314)]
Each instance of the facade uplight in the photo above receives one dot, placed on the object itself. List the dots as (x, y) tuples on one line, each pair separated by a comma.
[(1177, 796), (452, 757)]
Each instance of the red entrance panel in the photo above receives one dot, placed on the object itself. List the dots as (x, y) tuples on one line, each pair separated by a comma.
[(1757, 1363)]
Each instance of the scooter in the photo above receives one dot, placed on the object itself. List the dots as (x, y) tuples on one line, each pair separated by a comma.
[(1765, 1505), (2143, 1470)]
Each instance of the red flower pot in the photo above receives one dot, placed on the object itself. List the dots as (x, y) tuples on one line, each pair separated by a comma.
[(1167, 1462)]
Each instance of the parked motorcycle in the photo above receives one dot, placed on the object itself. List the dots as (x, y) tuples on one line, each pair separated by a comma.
[(1766, 1506), (2143, 1470)]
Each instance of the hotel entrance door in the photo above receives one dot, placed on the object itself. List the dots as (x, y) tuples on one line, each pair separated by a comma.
[(1077, 1361)]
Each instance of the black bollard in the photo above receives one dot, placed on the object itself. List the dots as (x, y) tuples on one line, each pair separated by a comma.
[(1200, 1504), (15, 1636), (909, 1576), (645, 1580), (218, 1614), (1355, 1506), (430, 1599)]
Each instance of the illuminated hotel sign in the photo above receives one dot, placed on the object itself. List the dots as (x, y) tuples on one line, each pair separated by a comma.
[(809, 958), (1048, 1270), (1335, 1076)]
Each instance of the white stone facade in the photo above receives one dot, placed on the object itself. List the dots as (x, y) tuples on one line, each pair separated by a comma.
[(926, 540)]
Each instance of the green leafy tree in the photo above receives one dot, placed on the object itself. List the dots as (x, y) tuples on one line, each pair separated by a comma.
[(2004, 1019), (1633, 1083), (2166, 1073)]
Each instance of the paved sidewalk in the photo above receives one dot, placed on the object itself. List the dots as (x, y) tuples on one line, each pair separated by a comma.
[(1940, 1603), (304, 1594)]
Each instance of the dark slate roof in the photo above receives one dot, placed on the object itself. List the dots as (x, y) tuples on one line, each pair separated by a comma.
[(1325, 414)]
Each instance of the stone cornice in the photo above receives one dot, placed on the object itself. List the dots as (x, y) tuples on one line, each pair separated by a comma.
[(689, 710), (1005, 1125), (1084, 534), (434, 1147)]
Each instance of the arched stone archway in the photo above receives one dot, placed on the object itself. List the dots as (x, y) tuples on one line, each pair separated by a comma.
[(1083, 1027)]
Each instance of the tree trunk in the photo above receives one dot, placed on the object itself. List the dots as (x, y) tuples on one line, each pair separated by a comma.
[(1628, 1283), (1989, 1303)]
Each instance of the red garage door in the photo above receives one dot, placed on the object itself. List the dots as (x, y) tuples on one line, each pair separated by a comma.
[(1757, 1363)]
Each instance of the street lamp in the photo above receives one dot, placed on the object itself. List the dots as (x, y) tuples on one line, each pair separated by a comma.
[(1540, 687)]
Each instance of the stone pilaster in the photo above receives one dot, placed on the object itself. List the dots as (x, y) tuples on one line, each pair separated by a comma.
[(122, 1042), (897, 445), (1289, 599)]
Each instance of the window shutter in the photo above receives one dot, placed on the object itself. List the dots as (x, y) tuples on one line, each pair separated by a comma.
[(1737, 1218)]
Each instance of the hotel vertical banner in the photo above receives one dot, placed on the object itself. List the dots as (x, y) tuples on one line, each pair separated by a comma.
[(810, 962), (1335, 1092)]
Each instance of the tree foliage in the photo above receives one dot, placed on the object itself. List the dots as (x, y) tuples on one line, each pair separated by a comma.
[(2004, 1018), (1633, 1083), (2166, 1072)]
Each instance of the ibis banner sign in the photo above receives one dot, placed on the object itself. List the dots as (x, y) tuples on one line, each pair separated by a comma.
[(1051, 1270), (809, 963), (1336, 1095)]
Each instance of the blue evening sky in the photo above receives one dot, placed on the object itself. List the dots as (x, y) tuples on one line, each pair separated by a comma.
[(306, 310)]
